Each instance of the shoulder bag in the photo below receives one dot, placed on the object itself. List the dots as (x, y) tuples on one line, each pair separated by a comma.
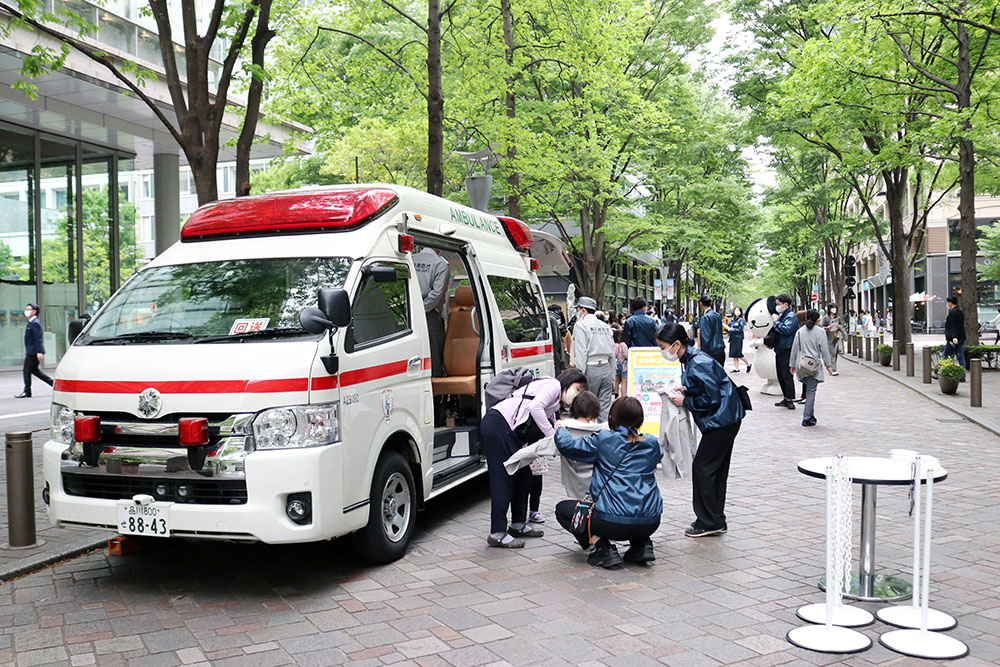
[(808, 366), (580, 522)]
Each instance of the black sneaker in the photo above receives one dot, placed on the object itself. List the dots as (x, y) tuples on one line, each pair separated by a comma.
[(704, 532), (780, 404), (735, 370), (790, 405), (640, 553), (748, 368), (605, 555), (809, 422), (500, 544)]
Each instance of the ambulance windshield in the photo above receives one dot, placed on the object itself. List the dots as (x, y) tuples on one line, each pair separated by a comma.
[(228, 301)]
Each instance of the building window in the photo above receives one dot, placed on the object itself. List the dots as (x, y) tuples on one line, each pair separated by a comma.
[(146, 186), (146, 225), (227, 179), (187, 186)]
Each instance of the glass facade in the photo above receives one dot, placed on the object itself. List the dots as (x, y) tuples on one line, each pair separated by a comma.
[(65, 243)]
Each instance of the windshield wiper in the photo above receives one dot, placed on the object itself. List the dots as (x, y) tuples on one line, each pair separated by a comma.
[(263, 333), (139, 336)]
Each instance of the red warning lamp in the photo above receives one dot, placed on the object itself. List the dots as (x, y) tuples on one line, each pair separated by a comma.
[(193, 431), (406, 243), (518, 233), (534, 264), (87, 429)]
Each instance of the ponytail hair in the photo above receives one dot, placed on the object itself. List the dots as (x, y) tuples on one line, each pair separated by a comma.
[(673, 332), (811, 316)]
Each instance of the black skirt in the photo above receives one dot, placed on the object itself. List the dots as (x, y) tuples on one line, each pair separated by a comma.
[(735, 346)]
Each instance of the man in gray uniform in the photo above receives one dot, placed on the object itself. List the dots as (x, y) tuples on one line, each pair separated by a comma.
[(433, 276), (593, 352)]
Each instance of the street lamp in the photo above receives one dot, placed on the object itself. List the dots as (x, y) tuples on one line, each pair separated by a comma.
[(479, 186)]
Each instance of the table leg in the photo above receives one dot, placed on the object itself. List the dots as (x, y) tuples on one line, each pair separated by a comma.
[(866, 566)]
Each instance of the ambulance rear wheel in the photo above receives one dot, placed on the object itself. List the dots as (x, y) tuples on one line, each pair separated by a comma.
[(392, 513)]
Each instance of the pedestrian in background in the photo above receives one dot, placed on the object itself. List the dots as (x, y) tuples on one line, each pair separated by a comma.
[(433, 276), (954, 333), (710, 396), (810, 353), (621, 365), (34, 351), (558, 331), (737, 327), (786, 323), (710, 332), (831, 324), (640, 329), (594, 352)]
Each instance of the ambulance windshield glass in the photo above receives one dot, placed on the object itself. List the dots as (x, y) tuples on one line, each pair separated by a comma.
[(229, 301)]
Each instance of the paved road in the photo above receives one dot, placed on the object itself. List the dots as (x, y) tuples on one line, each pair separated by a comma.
[(452, 601)]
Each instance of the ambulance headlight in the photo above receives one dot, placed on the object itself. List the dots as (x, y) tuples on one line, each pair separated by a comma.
[(62, 423), (297, 426)]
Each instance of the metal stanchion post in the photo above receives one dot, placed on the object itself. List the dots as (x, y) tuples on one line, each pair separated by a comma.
[(976, 383), (927, 365), (895, 355), (20, 491), (868, 349), (910, 361)]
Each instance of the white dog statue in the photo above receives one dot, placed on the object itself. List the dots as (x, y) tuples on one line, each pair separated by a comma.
[(759, 321)]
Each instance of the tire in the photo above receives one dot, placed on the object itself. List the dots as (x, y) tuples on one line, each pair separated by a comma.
[(392, 512)]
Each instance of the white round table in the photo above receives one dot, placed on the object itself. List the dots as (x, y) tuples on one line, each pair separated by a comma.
[(870, 472)]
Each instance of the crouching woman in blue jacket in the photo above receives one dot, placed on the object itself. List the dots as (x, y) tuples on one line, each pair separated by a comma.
[(710, 396), (627, 501)]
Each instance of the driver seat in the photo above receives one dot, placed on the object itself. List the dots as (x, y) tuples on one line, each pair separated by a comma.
[(461, 347)]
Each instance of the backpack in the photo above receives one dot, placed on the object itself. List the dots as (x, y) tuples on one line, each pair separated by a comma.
[(505, 384)]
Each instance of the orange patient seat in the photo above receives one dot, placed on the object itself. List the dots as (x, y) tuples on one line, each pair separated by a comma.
[(461, 347)]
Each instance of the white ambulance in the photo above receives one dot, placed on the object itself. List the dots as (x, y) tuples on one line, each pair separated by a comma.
[(268, 378)]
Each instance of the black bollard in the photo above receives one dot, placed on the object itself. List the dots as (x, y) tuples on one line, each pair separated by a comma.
[(20, 491)]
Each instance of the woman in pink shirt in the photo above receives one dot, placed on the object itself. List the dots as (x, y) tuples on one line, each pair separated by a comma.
[(538, 401)]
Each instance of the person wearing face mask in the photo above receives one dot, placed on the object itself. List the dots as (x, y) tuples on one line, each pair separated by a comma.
[(786, 323), (538, 401), (711, 397), (831, 324), (736, 327), (34, 351), (594, 351)]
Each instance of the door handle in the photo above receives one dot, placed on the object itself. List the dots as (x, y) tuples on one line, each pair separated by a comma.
[(414, 361)]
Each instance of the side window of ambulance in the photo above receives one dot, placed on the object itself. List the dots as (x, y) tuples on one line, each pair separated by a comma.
[(521, 309), (381, 308)]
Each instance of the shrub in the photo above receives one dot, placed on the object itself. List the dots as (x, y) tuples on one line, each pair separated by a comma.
[(950, 369), (883, 350)]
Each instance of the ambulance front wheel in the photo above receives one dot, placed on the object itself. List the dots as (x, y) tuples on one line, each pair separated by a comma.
[(392, 512)]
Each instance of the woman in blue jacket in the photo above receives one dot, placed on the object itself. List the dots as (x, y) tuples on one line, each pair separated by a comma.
[(736, 328), (710, 396), (627, 501)]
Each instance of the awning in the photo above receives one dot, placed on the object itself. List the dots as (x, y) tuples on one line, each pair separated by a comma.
[(920, 297)]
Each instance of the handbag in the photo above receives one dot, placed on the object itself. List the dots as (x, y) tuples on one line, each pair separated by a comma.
[(744, 395), (808, 366), (528, 432), (580, 521)]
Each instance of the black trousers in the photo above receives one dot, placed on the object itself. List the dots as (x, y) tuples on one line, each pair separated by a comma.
[(506, 491), (782, 363), (634, 533), (719, 356), (436, 334), (710, 475), (31, 368), (535, 493)]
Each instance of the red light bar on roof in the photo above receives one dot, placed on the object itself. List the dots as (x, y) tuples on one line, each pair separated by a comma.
[(518, 233), (298, 212)]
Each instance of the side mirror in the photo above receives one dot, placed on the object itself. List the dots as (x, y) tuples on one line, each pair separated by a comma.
[(335, 304), (75, 327), (314, 321)]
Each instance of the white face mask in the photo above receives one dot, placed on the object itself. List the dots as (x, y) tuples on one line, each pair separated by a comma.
[(570, 394), (668, 355), (29, 313), (781, 308), (833, 311)]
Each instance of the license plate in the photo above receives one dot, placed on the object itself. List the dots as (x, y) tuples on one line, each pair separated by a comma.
[(148, 520)]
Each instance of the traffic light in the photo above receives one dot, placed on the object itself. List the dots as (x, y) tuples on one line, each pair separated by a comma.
[(850, 271)]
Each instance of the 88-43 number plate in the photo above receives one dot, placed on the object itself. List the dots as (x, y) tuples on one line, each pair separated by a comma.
[(148, 520)]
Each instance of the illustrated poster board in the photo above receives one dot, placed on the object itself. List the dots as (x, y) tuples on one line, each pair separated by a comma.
[(649, 374)]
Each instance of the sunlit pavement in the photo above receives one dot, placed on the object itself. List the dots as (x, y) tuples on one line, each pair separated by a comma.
[(453, 601)]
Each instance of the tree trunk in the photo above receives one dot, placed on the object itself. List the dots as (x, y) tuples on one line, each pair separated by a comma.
[(510, 101), (435, 102), (203, 171), (262, 36), (967, 197), (895, 196)]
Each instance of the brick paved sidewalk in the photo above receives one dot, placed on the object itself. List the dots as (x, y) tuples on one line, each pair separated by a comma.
[(452, 601)]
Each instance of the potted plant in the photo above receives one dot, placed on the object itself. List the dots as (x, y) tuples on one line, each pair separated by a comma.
[(949, 372), (884, 353)]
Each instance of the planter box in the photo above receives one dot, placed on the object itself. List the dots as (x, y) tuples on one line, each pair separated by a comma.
[(885, 359), (947, 385)]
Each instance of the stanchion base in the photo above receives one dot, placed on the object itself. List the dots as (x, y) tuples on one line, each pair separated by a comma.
[(886, 589), (930, 645), (37, 544), (830, 639), (905, 616), (844, 616)]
